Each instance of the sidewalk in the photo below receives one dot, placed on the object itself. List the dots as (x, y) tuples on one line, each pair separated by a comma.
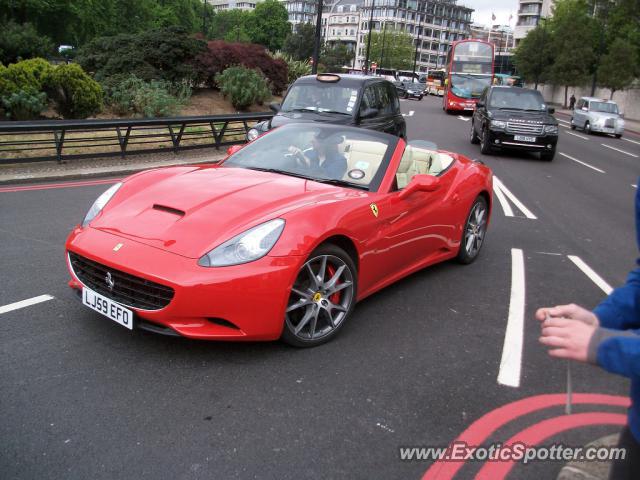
[(630, 126), (104, 166)]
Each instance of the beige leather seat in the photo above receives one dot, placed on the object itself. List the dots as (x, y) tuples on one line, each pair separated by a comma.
[(439, 162), (414, 161), (363, 155)]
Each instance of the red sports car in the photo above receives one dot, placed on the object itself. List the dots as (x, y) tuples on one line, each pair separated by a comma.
[(281, 239)]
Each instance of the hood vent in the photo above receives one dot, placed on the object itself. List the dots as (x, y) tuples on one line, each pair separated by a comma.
[(164, 208)]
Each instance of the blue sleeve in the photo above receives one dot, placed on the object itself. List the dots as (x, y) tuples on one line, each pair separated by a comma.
[(336, 168), (621, 309), (621, 355)]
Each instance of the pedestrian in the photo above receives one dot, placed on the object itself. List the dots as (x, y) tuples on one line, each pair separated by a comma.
[(607, 337), (572, 102)]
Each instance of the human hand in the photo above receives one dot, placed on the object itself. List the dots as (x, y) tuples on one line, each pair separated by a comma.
[(567, 338), (571, 311)]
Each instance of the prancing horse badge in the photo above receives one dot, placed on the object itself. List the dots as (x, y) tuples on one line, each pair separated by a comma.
[(374, 209)]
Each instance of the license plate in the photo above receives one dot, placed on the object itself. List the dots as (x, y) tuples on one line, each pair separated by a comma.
[(108, 308), (523, 138)]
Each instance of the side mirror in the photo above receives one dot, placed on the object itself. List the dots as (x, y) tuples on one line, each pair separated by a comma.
[(480, 104), (551, 110), (274, 107), (420, 183), (368, 113), (233, 149)]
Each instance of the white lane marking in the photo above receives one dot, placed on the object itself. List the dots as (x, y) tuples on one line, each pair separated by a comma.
[(581, 162), (634, 186), (576, 135), (25, 303), (512, 197), (410, 114), (511, 361), (466, 119), (588, 271), (564, 121), (618, 150), (632, 141), (550, 253), (565, 126), (506, 208)]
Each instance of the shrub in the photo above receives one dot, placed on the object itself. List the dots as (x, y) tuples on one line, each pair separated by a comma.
[(295, 68), (24, 105), (27, 75), (221, 55), (166, 54), (76, 94), (128, 94), (243, 87), (21, 42)]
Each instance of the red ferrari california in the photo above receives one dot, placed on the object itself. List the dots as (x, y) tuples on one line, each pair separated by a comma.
[(281, 239)]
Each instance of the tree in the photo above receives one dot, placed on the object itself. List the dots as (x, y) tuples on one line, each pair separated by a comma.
[(22, 42), (534, 56), (269, 24), (299, 45), (622, 22), (230, 25), (335, 56), (398, 49), (574, 39), (618, 67)]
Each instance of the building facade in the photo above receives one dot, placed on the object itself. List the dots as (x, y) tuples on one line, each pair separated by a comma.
[(341, 23), (529, 14), (233, 4), (433, 24)]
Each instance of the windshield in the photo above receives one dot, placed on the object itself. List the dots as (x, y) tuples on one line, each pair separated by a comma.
[(320, 97), (604, 107), (469, 86), (517, 99), (413, 85), (351, 157)]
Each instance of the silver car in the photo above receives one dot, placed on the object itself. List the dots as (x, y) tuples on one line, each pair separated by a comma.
[(597, 115)]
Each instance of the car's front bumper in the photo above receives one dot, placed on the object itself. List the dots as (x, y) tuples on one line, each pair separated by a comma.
[(600, 128), (502, 139), (242, 302)]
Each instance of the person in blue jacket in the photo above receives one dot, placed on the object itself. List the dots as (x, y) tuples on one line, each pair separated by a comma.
[(609, 337)]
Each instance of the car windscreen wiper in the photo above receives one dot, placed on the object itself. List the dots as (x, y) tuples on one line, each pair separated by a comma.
[(333, 111), (340, 183), (305, 109), (282, 172)]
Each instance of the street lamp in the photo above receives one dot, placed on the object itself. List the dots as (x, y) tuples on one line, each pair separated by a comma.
[(415, 57), (384, 36), (366, 59), (316, 43)]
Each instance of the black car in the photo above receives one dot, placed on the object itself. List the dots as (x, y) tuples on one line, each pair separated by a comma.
[(414, 89), (513, 117), (363, 101), (401, 90)]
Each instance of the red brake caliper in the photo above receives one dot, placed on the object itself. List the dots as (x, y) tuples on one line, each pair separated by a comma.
[(335, 298)]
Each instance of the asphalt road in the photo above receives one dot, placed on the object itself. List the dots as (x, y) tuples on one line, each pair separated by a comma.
[(418, 363)]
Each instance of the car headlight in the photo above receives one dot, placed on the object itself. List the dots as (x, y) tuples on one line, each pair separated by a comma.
[(99, 204), (252, 134), (246, 247), (498, 124), (553, 129), (620, 122)]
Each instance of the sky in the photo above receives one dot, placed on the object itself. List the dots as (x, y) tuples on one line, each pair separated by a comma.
[(484, 8)]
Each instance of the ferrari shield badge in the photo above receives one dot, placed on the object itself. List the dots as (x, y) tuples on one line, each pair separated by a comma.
[(117, 247), (374, 209)]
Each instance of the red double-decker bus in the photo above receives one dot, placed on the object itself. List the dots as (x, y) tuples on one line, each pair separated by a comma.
[(469, 71)]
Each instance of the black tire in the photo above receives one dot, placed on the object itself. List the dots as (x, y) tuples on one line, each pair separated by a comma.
[(473, 136), (406, 95), (618, 135), (475, 229), (548, 155), (420, 98), (485, 146), (573, 127), (587, 128), (309, 317)]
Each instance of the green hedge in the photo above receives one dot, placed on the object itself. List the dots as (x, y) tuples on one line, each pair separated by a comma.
[(243, 87)]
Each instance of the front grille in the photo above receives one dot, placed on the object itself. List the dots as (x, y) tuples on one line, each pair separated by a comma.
[(127, 289), (609, 123), (526, 128)]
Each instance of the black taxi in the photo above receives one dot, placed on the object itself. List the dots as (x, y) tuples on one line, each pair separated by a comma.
[(356, 100)]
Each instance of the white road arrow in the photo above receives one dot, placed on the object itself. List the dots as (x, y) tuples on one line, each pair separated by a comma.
[(410, 114), (466, 119)]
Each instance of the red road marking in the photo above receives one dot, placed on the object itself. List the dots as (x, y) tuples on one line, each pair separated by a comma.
[(48, 186), (482, 428), (539, 432)]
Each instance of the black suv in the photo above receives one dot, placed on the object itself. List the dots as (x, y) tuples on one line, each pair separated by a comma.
[(513, 117), (367, 102)]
